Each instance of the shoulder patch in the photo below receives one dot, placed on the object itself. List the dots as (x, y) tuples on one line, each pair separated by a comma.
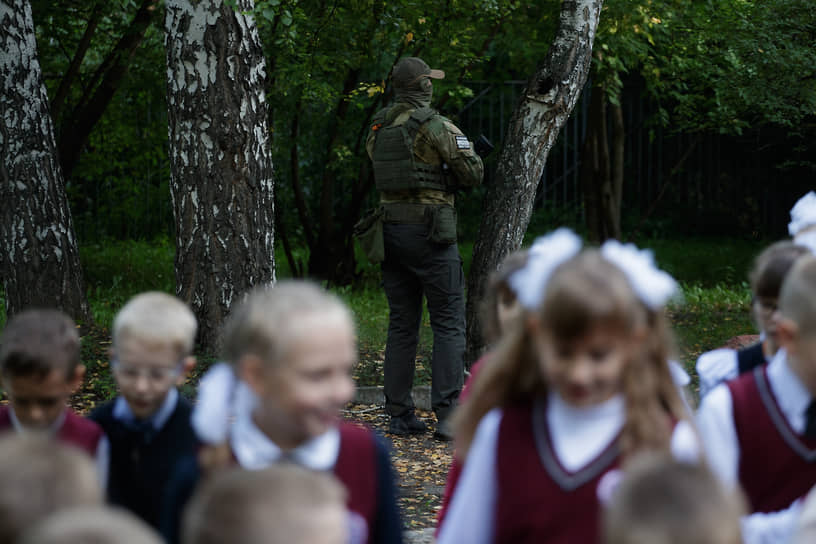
[(462, 142)]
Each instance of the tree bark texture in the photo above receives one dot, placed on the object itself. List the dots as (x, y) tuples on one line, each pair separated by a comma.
[(543, 108), (221, 168), (39, 260)]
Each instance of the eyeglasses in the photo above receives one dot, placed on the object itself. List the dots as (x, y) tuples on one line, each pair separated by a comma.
[(153, 374)]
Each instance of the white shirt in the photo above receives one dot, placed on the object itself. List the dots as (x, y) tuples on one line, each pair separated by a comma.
[(255, 451), (715, 421), (578, 436)]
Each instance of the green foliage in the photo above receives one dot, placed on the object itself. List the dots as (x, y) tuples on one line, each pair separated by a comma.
[(117, 270)]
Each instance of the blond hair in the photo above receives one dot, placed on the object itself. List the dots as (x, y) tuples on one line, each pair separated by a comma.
[(92, 525), (797, 298), (281, 504), (157, 319), (40, 476), (664, 501), (268, 318), (582, 293)]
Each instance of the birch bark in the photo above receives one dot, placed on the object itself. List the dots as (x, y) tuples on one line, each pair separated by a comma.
[(221, 168), (544, 107), (39, 259)]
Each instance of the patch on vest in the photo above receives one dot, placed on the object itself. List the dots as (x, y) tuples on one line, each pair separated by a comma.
[(462, 142)]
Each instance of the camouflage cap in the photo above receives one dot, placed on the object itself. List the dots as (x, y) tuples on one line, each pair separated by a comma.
[(409, 70)]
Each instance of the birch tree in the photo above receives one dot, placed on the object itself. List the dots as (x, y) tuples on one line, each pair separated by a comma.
[(546, 103), (221, 171), (40, 260)]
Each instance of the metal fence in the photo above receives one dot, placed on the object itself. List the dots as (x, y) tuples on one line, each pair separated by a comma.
[(705, 183)]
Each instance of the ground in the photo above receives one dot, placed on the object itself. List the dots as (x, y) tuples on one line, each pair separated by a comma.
[(420, 462)]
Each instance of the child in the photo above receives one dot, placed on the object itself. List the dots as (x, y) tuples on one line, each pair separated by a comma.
[(769, 270), (663, 501), (281, 504), (41, 476), (501, 308), (570, 393), (40, 369), (293, 347), (148, 424), (759, 430), (91, 525)]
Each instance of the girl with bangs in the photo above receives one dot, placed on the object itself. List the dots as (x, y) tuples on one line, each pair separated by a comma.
[(579, 387)]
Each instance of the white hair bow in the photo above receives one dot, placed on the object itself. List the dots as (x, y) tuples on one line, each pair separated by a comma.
[(653, 286), (803, 213), (543, 257)]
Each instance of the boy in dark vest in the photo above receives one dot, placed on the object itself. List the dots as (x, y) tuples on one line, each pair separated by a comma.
[(760, 429), (40, 369), (148, 424)]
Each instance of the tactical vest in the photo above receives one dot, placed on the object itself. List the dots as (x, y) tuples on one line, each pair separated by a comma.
[(395, 167)]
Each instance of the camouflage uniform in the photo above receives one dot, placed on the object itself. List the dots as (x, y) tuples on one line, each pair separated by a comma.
[(418, 260)]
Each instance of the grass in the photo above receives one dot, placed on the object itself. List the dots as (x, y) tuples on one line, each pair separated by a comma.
[(711, 272)]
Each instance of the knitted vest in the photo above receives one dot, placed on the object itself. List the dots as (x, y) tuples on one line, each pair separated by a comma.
[(777, 465), (538, 499), (140, 464), (75, 430)]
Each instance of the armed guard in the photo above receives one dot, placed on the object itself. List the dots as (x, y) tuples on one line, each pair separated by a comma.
[(420, 159)]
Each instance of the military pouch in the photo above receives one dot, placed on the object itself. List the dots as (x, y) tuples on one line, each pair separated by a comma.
[(369, 234), (442, 226)]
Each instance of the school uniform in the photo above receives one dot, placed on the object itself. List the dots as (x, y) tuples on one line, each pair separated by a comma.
[(143, 453), (353, 453), (72, 429), (753, 432), (537, 471), (720, 365)]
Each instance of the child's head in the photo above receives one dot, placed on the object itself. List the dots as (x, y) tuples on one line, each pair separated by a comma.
[(501, 306), (41, 476), (153, 337), (591, 339), (283, 503), (664, 501), (587, 330), (294, 345), (769, 270), (796, 319), (39, 365), (91, 525)]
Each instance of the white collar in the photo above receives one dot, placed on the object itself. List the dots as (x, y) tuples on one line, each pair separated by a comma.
[(52, 429), (613, 408), (791, 394), (255, 451), (122, 411)]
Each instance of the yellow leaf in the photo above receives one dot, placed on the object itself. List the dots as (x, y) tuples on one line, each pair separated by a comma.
[(409, 37)]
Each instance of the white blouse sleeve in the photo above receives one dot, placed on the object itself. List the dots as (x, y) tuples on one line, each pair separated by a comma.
[(715, 367), (471, 517), (715, 421)]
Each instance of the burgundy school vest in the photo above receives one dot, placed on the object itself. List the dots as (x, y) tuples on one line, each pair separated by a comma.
[(356, 468), (777, 465), (538, 499), (75, 430)]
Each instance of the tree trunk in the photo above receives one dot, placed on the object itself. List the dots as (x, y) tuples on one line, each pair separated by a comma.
[(40, 260), (221, 167), (601, 173), (543, 109)]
